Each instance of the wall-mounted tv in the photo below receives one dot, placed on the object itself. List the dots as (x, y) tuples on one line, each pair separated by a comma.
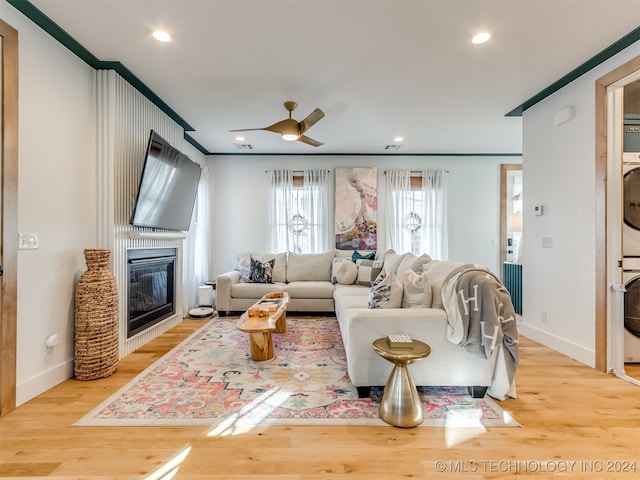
[(168, 187)]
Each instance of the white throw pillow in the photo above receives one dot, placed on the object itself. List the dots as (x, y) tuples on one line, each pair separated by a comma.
[(347, 273), (438, 271), (416, 290), (386, 292)]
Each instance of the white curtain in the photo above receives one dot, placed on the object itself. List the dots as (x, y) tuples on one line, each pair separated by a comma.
[(434, 187), (196, 246), (417, 217), (399, 206), (279, 211), (298, 215), (315, 202)]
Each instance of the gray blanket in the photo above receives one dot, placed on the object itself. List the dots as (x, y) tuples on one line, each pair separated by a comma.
[(480, 314)]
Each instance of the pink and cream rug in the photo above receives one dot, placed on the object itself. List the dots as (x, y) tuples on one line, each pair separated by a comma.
[(210, 380)]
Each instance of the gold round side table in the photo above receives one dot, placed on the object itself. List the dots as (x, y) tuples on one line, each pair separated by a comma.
[(400, 405)]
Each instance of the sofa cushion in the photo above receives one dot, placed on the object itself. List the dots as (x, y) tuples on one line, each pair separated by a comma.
[(254, 291), (416, 290), (309, 289), (368, 271), (261, 272), (386, 292), (438, 270), (309, 266), (347, 273)]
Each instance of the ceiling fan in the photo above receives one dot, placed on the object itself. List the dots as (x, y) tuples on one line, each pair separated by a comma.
[(290, 129)]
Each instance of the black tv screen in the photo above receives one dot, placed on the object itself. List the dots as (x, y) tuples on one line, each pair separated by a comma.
[(168, 187)]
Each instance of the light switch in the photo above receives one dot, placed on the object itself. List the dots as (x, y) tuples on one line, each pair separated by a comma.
[(547, 242), (28, 241)]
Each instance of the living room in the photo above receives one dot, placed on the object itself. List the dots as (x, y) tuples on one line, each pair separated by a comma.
[(59, 166)]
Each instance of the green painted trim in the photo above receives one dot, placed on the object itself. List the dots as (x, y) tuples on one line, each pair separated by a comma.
[(366, 154), (606, 54), (53, 29), (195, 143)]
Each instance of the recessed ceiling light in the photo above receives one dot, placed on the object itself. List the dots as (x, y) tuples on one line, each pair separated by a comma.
[(240, 138), (481, 38), (398, 139), (162, 36)]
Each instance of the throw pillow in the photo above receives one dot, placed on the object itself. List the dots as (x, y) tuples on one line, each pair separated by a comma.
[(359, 256), (334, 268), (416, 290), (392, 261), (368, 271), (386, 292), (438, 271), (347, 273), (405, 264), (261, 272)]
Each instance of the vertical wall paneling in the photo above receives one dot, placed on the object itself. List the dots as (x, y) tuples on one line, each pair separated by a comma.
[(125, 119)]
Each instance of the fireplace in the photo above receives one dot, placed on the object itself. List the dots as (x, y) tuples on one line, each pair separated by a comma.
[(151, 293)]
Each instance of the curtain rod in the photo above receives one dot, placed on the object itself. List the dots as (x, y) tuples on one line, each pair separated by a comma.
[(295, 172), (419, 172)]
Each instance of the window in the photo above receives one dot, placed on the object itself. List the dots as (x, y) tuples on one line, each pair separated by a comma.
[(298, 211), (416, 212)]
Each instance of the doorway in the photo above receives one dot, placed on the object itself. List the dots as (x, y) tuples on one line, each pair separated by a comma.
[(609, 255)]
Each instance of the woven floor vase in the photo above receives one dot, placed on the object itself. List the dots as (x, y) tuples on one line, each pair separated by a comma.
[(96, 319)]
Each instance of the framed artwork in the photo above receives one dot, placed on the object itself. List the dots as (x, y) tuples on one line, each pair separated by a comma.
[(356, 208)]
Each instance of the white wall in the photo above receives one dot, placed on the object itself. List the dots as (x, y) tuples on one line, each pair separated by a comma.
[(559, 174), (56, 200), (239, 206)]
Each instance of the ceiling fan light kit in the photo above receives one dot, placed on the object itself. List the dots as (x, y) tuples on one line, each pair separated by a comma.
[(292, 130)]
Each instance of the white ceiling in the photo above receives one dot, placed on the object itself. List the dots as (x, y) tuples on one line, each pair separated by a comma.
[(378, 69)]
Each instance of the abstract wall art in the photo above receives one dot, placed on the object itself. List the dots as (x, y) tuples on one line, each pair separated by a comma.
[(356, 208)]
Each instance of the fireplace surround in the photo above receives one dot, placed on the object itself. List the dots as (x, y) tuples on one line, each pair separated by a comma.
[(151, 278)]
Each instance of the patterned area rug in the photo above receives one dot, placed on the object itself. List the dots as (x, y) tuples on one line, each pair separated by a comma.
[(210, 380)]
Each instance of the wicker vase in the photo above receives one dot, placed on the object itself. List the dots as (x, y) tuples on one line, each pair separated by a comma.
[(96, 319)]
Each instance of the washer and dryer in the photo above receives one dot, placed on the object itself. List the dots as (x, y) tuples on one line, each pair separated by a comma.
[(631, 256), (631, 281)]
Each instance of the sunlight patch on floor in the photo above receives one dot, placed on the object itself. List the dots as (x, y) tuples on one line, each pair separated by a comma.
[(170, 469), (234, 424)]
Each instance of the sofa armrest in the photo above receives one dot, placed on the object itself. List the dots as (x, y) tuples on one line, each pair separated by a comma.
[(223, 289)]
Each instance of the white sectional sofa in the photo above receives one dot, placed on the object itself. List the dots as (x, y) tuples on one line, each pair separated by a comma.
[(312, 283)]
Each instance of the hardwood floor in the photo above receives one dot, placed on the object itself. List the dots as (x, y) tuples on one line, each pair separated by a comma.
[(569, 412)]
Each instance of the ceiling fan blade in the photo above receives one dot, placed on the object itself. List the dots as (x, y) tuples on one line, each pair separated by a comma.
[(283, 126), (246, 129), (309, 141), (311, 119)]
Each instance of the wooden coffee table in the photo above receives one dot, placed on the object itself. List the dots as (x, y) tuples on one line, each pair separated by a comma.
[(268, 315), (400, 405)]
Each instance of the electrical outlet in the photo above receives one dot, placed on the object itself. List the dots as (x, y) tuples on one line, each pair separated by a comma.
[(543, 316), (28, 241)]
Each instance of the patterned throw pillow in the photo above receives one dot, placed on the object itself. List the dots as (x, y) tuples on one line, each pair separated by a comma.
[(416, 290), (386, 292), (368, 271), (261, 272)]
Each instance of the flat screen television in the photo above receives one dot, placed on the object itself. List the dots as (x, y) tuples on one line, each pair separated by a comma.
[(168, 187)]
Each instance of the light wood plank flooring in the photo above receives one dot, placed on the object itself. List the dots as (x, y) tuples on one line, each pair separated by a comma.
[(569, 412)]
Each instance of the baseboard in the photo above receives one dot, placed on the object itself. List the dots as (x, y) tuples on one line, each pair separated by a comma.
[(34, 386), (570, 349)]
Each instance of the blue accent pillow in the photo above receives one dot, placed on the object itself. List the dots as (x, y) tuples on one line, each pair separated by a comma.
[(358, 256)]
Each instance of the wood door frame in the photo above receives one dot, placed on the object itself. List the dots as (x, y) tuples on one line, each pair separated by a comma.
[(504, 171), (601, 205), (9, 218)]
